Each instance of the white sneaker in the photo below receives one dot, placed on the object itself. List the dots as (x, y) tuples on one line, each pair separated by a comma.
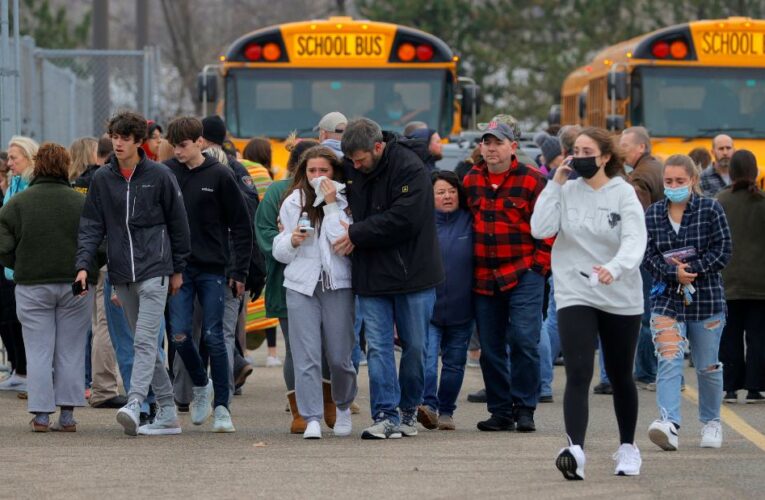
[(312, 430), (222, 420), (711, 435), (129, 417), (343, 422), (663, 434), (628, 460), (14, 382), (200, 406), (165, 423), (273, 362), (570, 462)]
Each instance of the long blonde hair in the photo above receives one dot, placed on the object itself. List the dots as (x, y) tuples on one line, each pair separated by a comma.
[(29, 147), (83, 152), (217, 152)]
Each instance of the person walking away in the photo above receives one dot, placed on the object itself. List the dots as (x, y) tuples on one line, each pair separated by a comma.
[(318, 283), (689, 244), (152, 214), (396, 267), (452, 323), (742, 346), (600, 239), (54, 320), (216, 210)]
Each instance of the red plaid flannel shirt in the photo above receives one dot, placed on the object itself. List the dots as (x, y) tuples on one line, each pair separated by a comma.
[(503, 246)]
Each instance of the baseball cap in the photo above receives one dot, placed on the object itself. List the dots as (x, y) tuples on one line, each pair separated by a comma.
[(331, 121), (506, 119), (499, 130)]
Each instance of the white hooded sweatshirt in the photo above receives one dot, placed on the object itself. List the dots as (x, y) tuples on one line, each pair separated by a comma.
[(594, 228)]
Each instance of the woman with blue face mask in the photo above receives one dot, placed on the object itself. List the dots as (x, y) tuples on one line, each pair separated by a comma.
[(689, 244)]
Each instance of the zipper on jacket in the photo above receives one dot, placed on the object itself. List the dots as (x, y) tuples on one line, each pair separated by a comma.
[(127, 226), (401, 261)]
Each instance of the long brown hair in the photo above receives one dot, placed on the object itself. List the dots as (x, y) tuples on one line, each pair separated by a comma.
[(743, 172), (606, 142), (300, 181)]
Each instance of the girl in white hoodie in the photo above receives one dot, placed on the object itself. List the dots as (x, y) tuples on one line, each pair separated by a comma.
[(318, 282), (601, 239)]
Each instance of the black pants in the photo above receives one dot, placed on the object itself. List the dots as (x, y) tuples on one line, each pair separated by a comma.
[(10, 332), (271, 337), (579, 328), (744, 368)]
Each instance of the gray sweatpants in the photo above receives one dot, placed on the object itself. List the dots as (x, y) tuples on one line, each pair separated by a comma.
[(54, 325), (324, 319), (144, 306), (182, 384)]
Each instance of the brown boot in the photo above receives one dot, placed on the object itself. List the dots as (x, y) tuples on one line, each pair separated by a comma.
[(330, 410), (298, 424)]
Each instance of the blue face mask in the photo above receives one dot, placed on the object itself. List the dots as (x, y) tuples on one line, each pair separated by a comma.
[(395, 115), (677, 195)]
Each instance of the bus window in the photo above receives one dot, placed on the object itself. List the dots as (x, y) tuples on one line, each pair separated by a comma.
[(274, 95)]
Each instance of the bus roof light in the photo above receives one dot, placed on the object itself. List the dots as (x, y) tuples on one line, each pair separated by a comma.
[(424, 52), (253, 52), (660, 50), (406, 52), (678, 49), (271, 52)]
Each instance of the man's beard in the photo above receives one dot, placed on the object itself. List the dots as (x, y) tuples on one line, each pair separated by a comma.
[(437, 156), (723, 162)]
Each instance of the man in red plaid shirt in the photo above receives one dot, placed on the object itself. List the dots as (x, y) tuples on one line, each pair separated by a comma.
[(510, 269)]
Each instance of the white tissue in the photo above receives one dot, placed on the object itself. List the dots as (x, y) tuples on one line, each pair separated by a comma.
[(316, 185)]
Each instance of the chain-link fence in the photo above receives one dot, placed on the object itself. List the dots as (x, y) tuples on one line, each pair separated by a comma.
[(67, 94)]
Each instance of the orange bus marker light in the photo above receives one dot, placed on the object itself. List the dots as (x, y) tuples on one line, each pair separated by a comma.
[(678, 49), (406, 52), (271, 52)]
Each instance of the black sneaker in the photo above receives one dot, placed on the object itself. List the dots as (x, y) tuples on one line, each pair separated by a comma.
[(546, 399), (182, 407), (477, 397), (116, 402), (603, 388), (524, 420), (754, 397), (558, 361), (496, 423), (730, 397)]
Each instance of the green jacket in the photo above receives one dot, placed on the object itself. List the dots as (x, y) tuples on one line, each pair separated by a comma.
[(744, 276), (38, 233), (266, 230)]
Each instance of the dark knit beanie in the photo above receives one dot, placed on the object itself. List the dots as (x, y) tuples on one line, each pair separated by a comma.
[(214, 129)]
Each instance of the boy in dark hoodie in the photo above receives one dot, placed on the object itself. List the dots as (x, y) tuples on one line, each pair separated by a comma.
[(216, 208)]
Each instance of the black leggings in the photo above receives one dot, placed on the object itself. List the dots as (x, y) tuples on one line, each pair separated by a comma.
[(271, 336), (579, 327), (10, 333)]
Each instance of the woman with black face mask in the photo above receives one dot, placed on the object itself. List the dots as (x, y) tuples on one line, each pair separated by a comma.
[(600, 240)]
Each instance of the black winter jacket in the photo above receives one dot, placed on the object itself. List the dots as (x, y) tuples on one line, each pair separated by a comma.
[(144, 220), (394, 230), (215, 206)]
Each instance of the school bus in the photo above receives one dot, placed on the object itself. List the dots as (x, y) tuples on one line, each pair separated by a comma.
[(284, 78), (685, 84)]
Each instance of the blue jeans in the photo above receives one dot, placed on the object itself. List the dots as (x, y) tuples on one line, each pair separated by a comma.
[(122, 340), (670, 339), (514, 319), (209, 289), (602, 365), (411, 313), (645, 357), (451, 342), (549, 345)]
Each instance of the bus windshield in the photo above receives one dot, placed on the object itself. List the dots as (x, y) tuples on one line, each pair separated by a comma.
[(699, 102), (274, 102)]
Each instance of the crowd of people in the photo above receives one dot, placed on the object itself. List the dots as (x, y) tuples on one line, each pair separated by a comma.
[(161, 233)]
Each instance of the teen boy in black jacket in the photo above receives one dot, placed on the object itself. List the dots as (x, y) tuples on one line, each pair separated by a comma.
[(216, 209)]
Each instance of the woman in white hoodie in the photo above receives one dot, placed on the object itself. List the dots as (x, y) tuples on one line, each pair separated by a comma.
[(601, 239), (318, 282)]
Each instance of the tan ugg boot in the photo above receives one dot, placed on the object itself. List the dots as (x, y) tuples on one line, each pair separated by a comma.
[(330, 410), (298, 424)]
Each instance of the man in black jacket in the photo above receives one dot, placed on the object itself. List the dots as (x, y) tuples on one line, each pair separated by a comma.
[(396, 266), (137, 205), (216, 209)]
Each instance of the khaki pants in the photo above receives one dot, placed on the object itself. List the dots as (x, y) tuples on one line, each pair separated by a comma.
[(103, 362)]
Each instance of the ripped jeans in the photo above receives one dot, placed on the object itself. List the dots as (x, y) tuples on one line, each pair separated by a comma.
[(669, 338)]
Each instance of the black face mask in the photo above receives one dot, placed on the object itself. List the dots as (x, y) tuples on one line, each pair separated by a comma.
[(586, 167)]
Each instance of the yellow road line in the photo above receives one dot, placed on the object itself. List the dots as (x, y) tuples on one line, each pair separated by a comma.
[(735, 422)]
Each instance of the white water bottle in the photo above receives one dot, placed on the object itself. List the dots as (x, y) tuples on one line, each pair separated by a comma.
[(304, 223)]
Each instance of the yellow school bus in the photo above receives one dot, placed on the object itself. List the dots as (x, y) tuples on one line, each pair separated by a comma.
[(685, 84), (284, 78)]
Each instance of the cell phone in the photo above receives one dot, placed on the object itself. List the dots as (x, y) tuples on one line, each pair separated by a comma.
[(77, 288), (308, 229)]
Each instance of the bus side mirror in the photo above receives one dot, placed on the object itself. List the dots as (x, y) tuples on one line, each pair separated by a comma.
[(553, 116), (617, 85), (207, 87), (471, 103), (615, 122)]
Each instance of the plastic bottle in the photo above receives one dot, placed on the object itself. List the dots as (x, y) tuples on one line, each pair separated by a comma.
[(304, 221)]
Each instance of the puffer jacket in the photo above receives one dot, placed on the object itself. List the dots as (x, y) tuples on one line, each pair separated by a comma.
[(306, 262)]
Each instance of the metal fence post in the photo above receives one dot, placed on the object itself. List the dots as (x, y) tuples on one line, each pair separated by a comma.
[(145, 84), (17, 68)]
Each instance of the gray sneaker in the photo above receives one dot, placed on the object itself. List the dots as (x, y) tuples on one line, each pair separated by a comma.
[(408, 426), (222, 422), (201, 403), (382, 429), (165, 423), (129, 417)]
